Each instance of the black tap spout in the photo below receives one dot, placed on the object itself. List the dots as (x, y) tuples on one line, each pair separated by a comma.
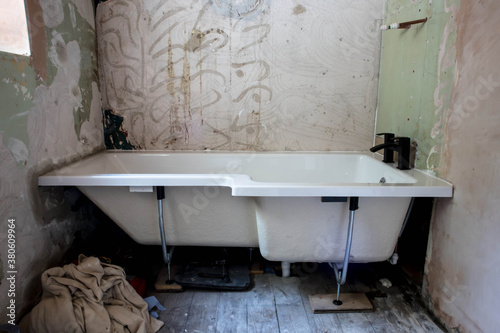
[(402, 146), (384, 146)]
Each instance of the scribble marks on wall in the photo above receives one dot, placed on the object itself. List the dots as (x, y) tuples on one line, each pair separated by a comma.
[(239, 75)]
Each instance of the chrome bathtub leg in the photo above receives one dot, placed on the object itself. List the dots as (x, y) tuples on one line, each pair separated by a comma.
[(167, 255), (341, 272)]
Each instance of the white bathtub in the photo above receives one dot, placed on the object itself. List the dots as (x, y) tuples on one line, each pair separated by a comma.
[(269, 200)]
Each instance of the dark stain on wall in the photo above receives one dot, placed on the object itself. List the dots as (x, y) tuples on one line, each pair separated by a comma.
[(299, 9), (115, 137)]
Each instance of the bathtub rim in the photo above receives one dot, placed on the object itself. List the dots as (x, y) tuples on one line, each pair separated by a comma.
[(425, 185)]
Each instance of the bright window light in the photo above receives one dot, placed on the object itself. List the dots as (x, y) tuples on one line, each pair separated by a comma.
[(14, 36)]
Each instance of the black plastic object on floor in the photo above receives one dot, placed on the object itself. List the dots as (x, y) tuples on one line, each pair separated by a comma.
[(219, 268), (219, 277)]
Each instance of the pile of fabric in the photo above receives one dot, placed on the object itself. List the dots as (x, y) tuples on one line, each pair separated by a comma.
[(89, 297)]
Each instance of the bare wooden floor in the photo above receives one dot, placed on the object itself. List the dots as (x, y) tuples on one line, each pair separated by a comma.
[(276, 304)]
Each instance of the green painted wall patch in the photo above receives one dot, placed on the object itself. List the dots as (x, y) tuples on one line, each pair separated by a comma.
[(114, 135)]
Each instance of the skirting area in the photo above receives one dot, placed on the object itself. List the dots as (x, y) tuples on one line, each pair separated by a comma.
[(276, 304)]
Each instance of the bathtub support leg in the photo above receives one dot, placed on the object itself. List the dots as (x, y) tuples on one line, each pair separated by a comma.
[(167, 255), (353, 302), (341, 272)]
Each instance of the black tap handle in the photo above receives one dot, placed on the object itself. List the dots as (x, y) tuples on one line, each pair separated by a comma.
[(401, 138), (388, 137), (403, 152)]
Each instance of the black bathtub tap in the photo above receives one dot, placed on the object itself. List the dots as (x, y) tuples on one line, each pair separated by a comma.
[(391, 144)]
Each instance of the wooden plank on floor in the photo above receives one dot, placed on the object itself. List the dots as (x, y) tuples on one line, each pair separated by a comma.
[(292, 318), (203, 312), (290, 309), (417, 310), (286, 290), (411, 315), (232, 312), (162, 285), (355, 323), (314, 284), (260, 306), (351, 302), (178, 307), (383, 320)]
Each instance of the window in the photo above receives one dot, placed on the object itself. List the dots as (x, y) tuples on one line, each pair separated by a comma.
[(14, 36)]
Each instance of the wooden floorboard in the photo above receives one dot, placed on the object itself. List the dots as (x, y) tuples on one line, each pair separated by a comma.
[(409, 316), (355, 322), (202, 316), (419, 314), (232, 312), (261, 307), (177, 310), (313, 285), (276, 304), (384, 320), (291, 313)]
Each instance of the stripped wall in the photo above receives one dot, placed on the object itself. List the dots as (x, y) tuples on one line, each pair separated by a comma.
[(464, 258), (239, 75), (439, 84), (49, 115)]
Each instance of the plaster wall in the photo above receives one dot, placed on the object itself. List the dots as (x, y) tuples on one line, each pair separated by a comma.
[(464, 258), (239, 75), (49, 115)]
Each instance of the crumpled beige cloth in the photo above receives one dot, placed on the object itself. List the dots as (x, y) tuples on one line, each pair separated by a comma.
[(89, 297)]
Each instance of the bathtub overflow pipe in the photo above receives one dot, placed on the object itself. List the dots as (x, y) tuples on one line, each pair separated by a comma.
[(341, 272), (167, 255)]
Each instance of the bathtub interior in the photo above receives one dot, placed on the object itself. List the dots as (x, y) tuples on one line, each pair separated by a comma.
[(313, 168)]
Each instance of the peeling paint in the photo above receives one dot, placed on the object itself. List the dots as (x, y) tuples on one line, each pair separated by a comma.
[(53, 13), (86, 10), (50, 114), (17, 83), (18, 150), (87, 58), (72, 15)]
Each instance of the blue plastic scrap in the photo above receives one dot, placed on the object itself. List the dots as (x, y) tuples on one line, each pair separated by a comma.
[(153, 302)]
